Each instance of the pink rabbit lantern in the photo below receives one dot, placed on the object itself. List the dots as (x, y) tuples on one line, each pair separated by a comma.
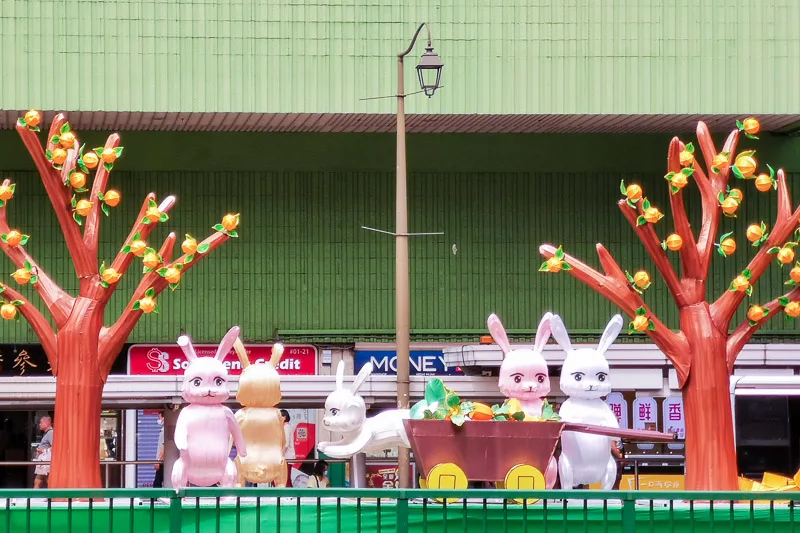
[(524, 375), (205, 426)]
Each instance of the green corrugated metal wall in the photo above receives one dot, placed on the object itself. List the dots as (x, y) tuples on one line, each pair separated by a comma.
[(504, 56), (303, 264)]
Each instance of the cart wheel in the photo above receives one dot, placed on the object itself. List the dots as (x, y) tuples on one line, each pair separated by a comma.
[(447, 476), (525, 477)]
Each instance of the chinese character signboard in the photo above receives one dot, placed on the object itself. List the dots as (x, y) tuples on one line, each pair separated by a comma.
[(645, 416), (23, 361), (165, 360), (421, 362), (674, 421), (619, 406)]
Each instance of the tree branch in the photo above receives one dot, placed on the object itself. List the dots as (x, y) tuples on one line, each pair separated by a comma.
[(743, 333), (615, 288), (41, 326), (58, 302), (647, 234), (690, 257), (124, 260), (725, 307), (59, 196), (91, 235), (113, 338)]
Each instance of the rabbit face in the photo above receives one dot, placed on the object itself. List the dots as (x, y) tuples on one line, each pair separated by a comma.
[(585, 375), (344, 412), (524, 375), (205, 382)]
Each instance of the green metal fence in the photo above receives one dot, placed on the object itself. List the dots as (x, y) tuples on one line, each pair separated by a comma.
[(400, 511)]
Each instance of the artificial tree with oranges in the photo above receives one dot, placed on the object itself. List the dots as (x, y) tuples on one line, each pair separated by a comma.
[(82, 349), (705, 348)]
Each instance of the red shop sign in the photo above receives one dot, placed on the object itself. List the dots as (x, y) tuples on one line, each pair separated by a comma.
[(159, 360)]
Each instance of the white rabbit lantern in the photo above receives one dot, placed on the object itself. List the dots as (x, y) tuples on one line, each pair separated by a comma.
[(205, 426), (346, 414), (524, 375), (585, 458)]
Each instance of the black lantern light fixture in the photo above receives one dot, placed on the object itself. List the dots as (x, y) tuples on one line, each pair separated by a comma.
[(429, 71)]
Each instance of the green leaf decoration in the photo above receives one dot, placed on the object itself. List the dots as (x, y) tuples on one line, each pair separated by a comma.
[(49, 155), (689, 148), (565, 266), (651, 326), (646, 204), (746, 273), (203, 248), (150, 293), (65, 128), (118, 151), (2, 203), (688, 171), (721, 197), (126, 249), (632, 205), (179, 266), (714, 170), (34, 280), (435, 391), (151, 203), (751, 323), (21, 122), (146, 221), (749, 290), (791, 283), (232, 234), (98, 151), (640, 220), (783, 300), (136, 305), (418, 410), (108, 166), (27, 265), (751, 136), (103, 284), (771, 171), (519, 416), (773, 250), (673, 189), (739, 125), (452, 400), (190, 258), (622, 187), (55, 139), (731, 287), (669, 176), (641, 311), (218, 227), (162, 271), (105, 209), (137, 236), (458, 419), (173, 286), (725, 236), (77, 218), (84, 168), (18, 303), (789, 318), (163, 218), (719, 250), (664, 245), (629, 277)]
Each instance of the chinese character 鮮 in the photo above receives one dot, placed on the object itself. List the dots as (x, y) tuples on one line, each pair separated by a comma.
[(22, 362), (617, 410), (644, 412)]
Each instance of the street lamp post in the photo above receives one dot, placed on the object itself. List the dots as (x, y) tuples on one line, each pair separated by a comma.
[(429, 71)]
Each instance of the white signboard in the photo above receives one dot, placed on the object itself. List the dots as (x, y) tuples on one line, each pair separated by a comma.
[(674, 419), (645, 416), (619, 406)]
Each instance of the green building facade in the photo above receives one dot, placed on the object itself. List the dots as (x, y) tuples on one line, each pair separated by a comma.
[(258, 107)]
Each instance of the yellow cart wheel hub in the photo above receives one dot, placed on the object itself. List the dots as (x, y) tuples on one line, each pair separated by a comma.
[(447, 476), (524, 477)]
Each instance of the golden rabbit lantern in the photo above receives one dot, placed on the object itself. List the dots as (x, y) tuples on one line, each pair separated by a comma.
[(261, 422)]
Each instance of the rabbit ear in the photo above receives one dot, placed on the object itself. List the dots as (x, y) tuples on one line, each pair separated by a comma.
[(241, 353), (498, 333), (227, 343), (186, 345), (560, 333), (543, 333), (610, 334), (366, 370), (340, 376), (277, 353)]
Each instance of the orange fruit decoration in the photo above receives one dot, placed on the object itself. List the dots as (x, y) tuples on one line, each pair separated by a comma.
[(33, 118), (67, 140), (109, 155), (554, 265), (481, 411), (230, 222), (686, 158), (763, 182), (728, 246), (83, 207), (755, 313), (751, 126), (640, 323), (795, 274), (147, 305), (21, 276), (153, 214), (189, 245), (59, 156), (786, 255), (740, 283), (8, 311), (754, 232), (736, 193), (730, 205), (792, 309), (641, 279), (633, 192), (112, 198), (679, 180), (6, 192), (674, 242), (172, 275), (652, 215), (746, 164), (110, 275), (13, 238), (720, 161), (150, 260), (77, 180), (138, 247), (91, 160)]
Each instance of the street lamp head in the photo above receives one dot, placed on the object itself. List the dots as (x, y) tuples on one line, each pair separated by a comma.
[(429, 70)]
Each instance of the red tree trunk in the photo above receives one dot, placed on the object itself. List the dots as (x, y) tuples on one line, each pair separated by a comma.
[(79, 396), (710, 449)]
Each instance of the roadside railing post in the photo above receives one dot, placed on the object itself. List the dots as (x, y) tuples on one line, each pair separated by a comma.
[(628, 513), (175, 512), (402, 512)]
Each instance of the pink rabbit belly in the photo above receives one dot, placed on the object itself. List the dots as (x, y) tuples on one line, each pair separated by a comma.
[(208, 439)]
